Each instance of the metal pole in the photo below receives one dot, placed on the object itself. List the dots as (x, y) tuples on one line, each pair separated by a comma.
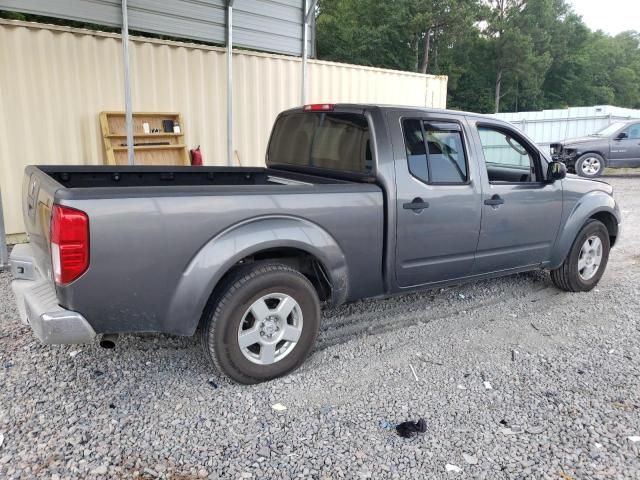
[(4, 253), (303, 93), (127, 82), (230, 82), (306, 14)]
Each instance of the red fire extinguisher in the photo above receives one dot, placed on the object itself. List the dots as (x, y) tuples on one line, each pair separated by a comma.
[(196, 157)]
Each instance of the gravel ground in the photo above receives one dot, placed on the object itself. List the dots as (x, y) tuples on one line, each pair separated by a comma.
[(563, 370)]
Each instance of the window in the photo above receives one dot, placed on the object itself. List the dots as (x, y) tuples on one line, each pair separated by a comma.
[(508, 160), (416, 150), (633, 132), (332, 141), (435, 151), (608, 130), (447, 162)]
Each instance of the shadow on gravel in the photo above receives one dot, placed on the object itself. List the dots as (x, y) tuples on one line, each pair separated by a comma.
[(373, 317), (376, 316)]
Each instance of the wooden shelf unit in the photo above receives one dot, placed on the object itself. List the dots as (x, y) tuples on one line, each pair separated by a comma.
[(114, 134)]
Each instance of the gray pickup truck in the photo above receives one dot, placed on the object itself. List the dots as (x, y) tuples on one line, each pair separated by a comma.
[(615, 146), (356, 201)]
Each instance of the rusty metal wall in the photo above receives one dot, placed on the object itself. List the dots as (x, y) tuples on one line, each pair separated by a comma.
[(55, 80)]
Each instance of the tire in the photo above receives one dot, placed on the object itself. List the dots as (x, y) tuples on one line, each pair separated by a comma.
[(590, 165), (250, 304), (569, 276)]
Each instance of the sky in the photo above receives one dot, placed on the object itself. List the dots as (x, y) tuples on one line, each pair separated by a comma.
[(610, 16)]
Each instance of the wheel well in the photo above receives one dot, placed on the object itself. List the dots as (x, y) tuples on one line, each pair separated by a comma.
[(610, 222), (298, 259), (304, 262)]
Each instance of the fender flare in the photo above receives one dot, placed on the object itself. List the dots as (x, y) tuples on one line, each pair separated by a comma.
[(589, 205), (243, 239)]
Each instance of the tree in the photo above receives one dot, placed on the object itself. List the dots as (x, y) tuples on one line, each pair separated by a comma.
[(430, 19), (365, 32), (520, 57), (565, 83), (498, 54)]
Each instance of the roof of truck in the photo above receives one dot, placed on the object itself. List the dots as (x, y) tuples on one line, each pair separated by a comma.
[(383, 106)]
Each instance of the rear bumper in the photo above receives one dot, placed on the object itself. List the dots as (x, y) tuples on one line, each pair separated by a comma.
[(38, 305)]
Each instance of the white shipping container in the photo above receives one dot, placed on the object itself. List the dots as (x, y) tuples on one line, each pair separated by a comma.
[(548, 126)]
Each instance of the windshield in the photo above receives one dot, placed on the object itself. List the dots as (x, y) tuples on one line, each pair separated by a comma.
[(608, 130)]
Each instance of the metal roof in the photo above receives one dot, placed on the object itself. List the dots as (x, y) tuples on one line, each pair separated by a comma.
[(268, 25)]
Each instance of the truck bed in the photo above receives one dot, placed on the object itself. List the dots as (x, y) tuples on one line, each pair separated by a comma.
[(73, 177), (149, 227)]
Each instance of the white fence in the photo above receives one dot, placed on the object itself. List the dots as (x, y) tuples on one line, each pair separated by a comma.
[(548, 126)]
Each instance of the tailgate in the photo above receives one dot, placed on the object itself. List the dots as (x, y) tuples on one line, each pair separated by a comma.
[(38, 191)]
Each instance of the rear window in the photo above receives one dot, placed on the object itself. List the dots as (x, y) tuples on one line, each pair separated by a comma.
[(325, 140)]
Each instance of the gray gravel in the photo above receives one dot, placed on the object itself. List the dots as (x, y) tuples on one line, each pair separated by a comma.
[(563, 370)]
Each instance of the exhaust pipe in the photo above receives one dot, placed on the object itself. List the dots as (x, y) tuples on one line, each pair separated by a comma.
[(108, 340)]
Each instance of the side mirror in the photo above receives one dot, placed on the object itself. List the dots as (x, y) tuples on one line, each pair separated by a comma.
[(556, 171), (622, 136)]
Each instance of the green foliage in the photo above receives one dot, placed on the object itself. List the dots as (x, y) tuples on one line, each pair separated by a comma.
[(364, 32), (514, 54)]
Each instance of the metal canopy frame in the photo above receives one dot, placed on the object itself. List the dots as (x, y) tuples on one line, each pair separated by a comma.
[(127, 82), (307, 11), (230, 82), (306, 15)]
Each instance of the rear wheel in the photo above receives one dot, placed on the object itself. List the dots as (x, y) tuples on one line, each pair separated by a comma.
[(587, 259), (263, 325), (590, 165)]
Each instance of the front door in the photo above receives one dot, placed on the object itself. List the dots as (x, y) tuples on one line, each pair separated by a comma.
[(438, 201), (625, 152), (521, 212)]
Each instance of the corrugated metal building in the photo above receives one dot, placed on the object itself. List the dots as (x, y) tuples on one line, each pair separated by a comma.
[(548, 126), (54, 81)]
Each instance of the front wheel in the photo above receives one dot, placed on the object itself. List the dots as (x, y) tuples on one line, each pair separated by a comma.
[(590, 165), (587, 259), (263, 325)]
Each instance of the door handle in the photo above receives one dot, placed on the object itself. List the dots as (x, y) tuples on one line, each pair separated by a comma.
[(495, 200), (416, 204)]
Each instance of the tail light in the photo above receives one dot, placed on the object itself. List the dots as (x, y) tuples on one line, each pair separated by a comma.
[(69, 243), (319, 107)]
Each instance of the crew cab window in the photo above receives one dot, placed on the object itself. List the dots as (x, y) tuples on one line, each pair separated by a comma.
[(507, 159), (324, 140), (633, 132), (435, 151)]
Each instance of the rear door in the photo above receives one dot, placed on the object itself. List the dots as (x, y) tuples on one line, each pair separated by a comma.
[(625, 152), (520, 211), (438, 199)]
